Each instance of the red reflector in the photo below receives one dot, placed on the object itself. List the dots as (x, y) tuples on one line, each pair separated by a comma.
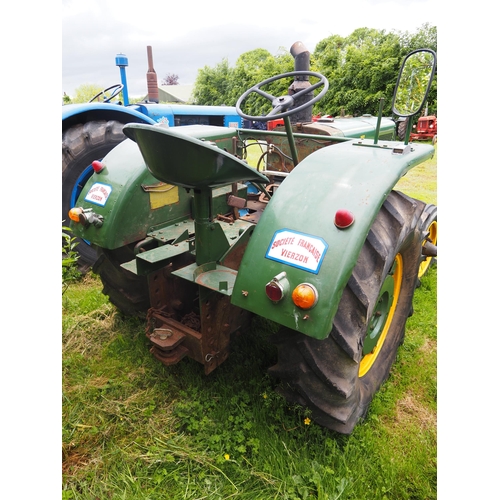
[(98, 166), (343, 218), (274, 291)]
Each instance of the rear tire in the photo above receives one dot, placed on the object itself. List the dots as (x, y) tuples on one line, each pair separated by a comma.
[(429, 230), (81, 145), (401, 127), (337, 378), (127, 291)]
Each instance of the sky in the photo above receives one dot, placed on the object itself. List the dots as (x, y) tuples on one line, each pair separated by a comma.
[(187, 37)]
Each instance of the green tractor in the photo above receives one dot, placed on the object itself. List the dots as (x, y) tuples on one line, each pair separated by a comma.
[(313, 239)]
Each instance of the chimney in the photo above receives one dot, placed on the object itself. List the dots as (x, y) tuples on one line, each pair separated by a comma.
[(301, 56), (152, 80)]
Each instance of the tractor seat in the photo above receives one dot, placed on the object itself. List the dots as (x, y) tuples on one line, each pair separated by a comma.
[(178, 159)]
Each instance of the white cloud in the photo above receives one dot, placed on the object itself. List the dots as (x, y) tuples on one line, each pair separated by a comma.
[(187, 37)]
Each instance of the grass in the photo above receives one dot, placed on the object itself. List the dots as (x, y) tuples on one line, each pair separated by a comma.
[(134, 429), (420, 181)]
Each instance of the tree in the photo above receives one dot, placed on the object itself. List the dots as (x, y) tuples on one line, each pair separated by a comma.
[(425, 37), (212, 85), (361, 68), (224, 84), (170, 79), (85, 92), (254, 67)]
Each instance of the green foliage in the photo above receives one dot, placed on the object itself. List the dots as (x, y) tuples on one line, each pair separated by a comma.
[(85, 92), (213, 85), (424, 38), (224, 84), (254, 67), (70, 272), (361, 68)]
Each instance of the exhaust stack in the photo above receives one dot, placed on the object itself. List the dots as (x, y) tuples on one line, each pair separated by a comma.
[(301, 56), (153, 94)]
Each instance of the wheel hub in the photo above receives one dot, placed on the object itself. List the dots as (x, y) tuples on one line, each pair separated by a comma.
[(382, 316)]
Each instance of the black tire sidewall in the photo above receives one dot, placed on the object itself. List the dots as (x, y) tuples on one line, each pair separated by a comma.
[(379, 372), (429, 215), (127, 291)]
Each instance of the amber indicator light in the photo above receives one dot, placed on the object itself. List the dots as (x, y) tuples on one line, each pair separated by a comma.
[(74, 214), (305, 296)]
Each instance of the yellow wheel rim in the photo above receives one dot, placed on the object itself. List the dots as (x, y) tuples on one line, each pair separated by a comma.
[(432, 237), (382, 316)]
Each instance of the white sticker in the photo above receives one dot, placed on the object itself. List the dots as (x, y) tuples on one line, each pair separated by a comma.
[(99, 194), (298, 250)]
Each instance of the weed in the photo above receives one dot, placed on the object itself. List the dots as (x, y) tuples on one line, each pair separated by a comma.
[(70, 272)]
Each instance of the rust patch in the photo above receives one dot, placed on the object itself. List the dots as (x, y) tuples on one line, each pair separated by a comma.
[(192, 320)]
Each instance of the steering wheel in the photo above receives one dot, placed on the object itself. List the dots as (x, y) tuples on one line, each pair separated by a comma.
[(281, 104), (116, 90)]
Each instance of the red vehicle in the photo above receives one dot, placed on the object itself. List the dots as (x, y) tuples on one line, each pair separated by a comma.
[(426, 128), (272, 124)]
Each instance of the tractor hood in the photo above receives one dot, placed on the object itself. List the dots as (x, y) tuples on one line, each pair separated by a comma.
[(360, 126)]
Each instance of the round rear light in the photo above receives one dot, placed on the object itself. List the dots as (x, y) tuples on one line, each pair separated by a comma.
[(98, 166), (343, 219), (274, 291), (278, 287), (305, 296)]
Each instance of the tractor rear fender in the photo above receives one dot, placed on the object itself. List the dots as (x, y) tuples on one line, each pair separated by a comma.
[(131, 202), (82, 113), (128, 200), (296, 240)]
